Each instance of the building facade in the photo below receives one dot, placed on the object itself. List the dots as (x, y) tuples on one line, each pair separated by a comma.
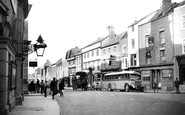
[(179, 43), (112, 52), (12, 16), (91, 60), (71, 60)]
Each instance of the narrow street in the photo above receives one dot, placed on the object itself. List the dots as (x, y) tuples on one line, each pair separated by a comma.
[(120, 103)]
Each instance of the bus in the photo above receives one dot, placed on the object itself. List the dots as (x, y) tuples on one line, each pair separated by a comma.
[(124, 80)]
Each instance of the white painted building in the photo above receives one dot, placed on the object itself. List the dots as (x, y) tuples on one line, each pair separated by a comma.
[(91, 56), (133, 40)]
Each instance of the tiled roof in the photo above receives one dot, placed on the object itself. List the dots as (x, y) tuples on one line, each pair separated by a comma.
[(116, 39), (136, 22), (181, 3), (94, 42)]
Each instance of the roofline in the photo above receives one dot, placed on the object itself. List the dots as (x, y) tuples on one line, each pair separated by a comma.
[(101, 39), (142, 19)]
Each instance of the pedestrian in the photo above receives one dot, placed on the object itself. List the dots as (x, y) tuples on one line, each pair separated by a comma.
[(155, 86), (32, 87), (45, 89), (38, 86), (42, 86), (177, 83), (61, 88), (53, 87)]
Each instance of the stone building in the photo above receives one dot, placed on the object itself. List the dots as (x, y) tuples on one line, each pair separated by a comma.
[(12, 16), (179, 43)]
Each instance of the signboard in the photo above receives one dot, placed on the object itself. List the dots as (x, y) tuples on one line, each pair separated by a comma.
[(114, 65), (33, 64)]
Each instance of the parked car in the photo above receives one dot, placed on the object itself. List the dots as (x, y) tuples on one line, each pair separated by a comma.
[(98, 86)]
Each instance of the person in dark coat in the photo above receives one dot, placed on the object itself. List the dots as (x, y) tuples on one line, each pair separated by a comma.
[(155, 86), (42, 86), (53, 87), (38, 86), (61, 88), (32, 87), (177, 83)]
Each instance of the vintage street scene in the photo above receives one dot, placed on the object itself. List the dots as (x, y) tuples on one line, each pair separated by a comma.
[(92, 57)]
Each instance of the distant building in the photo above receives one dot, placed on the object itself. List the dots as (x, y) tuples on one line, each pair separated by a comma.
[(71, 59), (91, 59)]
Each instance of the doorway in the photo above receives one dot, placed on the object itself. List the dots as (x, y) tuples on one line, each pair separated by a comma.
[(182, 73)]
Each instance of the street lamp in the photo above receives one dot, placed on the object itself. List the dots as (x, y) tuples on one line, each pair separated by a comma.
[(38, 47)]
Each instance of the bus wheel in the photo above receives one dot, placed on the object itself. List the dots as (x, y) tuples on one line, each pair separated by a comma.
[(109, 87), (126, 88)]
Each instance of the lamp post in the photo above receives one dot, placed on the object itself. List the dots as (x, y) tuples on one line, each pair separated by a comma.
[(38, 47)]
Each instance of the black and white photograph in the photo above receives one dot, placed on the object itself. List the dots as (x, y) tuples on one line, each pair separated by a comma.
[(92, 57)]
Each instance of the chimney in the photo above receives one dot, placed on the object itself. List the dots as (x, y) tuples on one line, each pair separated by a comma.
[(166, 4), (111, 32)]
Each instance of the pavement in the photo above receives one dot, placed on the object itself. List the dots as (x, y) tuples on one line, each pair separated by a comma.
[(37, 104), (163, 91)]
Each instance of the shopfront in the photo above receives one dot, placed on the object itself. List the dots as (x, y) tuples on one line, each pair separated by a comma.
[(163, 75)]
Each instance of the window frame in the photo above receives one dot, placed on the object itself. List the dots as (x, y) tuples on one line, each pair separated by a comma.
[(162, 58), (147, 40), (133, 60), (163, 37)]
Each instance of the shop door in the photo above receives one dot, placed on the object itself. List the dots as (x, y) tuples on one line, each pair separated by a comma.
[(182, 73)]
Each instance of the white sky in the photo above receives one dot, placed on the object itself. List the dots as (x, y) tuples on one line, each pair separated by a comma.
[(65, 24)]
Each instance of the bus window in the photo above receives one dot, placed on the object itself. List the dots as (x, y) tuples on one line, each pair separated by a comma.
[(122, 76), (127, 76)]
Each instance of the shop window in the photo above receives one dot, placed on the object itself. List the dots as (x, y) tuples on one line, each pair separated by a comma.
[(167, 73), (146, 75)]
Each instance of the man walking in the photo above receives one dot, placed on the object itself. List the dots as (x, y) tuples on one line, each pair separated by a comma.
[(177, 83), (53, 87)]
